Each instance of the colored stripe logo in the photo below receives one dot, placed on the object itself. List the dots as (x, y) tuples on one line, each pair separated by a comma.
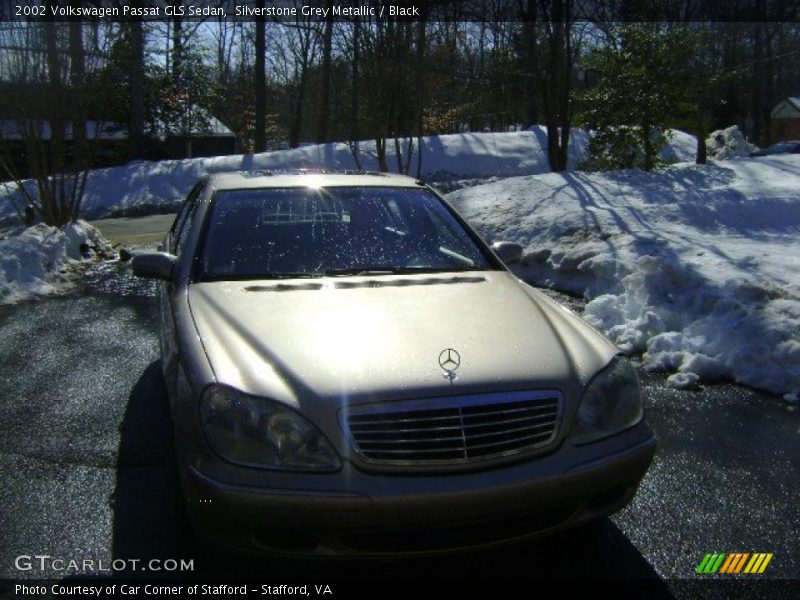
[(731, 563)]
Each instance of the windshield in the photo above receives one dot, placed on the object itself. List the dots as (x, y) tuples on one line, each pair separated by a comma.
[(307, 232)]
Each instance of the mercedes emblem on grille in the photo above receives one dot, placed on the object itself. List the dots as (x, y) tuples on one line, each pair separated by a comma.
[(449, 360)]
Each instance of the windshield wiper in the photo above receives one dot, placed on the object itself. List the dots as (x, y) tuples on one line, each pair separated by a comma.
[(360, 271), (290, 275), (257, 276), (398, 270)]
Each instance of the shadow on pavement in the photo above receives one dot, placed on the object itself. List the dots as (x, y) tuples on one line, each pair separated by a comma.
[(144, 510)]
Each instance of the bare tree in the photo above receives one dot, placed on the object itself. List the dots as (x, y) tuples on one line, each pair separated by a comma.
[(355, 99), (324, 112), (549, 48), (81, 157), (419, 85), (303, 43), (136, 83), (260, 138), (48, 110), (386, 91)]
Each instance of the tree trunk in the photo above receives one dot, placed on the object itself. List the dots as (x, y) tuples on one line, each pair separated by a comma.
[(649, 150), (558, 85), (355, 98), (555, 42), (552, 145), (136, 82), (78, 76), (81, 160), (529, 41), (702, 153), (565, 98), (768, 89), (177, 69), (757, 106), (380, 151), (51, 186), (420, 87), (325, 83), (177, 47), (398, 153), (297, 117), (260, 137), (563, 150)]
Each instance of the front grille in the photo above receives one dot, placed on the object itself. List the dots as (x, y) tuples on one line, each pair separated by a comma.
[(458, 430)]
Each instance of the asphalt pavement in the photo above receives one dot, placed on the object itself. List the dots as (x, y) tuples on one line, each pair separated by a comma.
[(87, 464)]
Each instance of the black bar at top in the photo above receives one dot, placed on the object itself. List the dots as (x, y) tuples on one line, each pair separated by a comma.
[(404, 10)]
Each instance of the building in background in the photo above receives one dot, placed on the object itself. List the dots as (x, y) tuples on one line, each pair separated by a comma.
[(785, 123)]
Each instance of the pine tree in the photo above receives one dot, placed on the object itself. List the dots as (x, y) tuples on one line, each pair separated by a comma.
[(645, 85)]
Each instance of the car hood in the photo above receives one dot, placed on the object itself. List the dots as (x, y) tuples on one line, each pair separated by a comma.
[(364, 338)]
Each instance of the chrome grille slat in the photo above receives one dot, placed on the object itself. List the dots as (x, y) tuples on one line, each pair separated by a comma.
[(501, 443), (506, 412), (364, 442), (511, 413), (486, 422), (412, 420), (454, 430), (425, 451), (507, 431), (406, 430), (545, 420)]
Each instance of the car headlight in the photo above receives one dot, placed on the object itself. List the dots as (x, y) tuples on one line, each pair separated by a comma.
[(611, 403), (257, 432)]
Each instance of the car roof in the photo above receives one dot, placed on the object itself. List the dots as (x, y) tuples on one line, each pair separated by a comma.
[(308, 178)]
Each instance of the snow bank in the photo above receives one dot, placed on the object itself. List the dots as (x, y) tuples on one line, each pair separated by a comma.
[(698, 268), (728, 143), (151, 187), (38, 259), (145, 187), (680, 147)]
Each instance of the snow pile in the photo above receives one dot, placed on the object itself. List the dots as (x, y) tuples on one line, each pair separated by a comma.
[(728, 143), (38, 259), (696, 267), (680, 147), (144, 187)]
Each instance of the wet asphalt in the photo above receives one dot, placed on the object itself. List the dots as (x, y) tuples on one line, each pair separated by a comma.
[(87, 465)]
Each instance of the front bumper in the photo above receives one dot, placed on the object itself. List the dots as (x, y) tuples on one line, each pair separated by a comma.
[(354, 513)]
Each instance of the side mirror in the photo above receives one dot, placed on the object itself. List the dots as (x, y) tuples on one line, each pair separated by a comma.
[(156, 265), (509, 252)]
